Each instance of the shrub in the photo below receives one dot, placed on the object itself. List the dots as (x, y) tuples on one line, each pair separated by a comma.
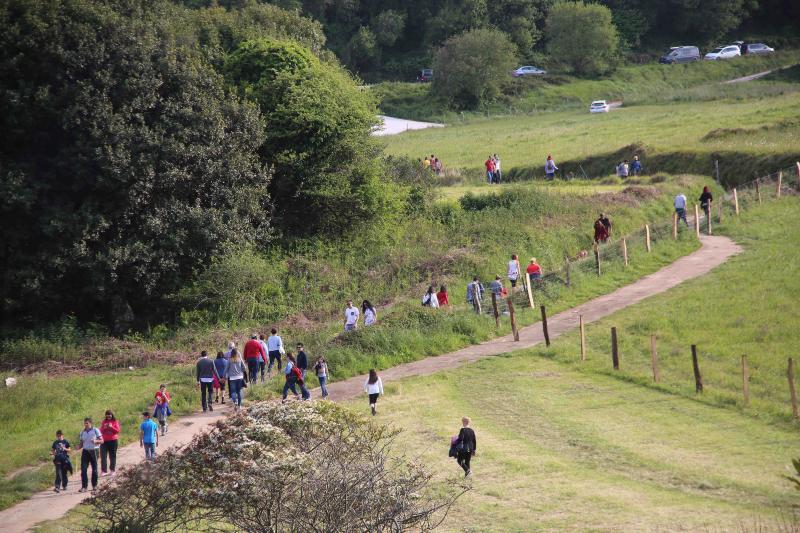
[(582, 36)]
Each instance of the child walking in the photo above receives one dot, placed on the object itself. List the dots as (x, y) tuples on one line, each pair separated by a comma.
[(60, 452), (162, 410), (148, 437), (374, 387)]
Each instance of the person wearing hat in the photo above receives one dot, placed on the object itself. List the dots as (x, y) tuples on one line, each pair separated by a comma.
[(252, 351), (534, 270)]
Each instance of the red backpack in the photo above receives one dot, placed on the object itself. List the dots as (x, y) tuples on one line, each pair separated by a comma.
[(297, 374)]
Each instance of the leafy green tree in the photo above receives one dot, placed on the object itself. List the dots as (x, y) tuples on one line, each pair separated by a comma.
[(582, 37), (388, 26), (124, 164), (470, 69), (327, 175)]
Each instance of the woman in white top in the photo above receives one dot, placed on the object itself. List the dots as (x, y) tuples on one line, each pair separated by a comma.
[(513, 271), (370, 316), (374, 387), (430, 299)]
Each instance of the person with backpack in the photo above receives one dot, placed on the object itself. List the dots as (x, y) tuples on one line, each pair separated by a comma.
[(680, 207), (109, 429), (89, 442), (206, 372), (161, 410), (293, 377), (60, 452), (237, 380), (373, 386), (221, 365), (321, 370), (430, 299), (466, 446), (148, 436)]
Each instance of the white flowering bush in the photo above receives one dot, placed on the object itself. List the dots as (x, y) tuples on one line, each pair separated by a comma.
[(296, 467)]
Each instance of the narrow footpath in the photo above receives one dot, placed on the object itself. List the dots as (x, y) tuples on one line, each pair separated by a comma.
[(714, 251)]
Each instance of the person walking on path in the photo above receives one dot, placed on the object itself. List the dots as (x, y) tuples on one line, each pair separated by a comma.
[(498, 173), (275, 350), (302, 360), (293, 378), (229, 351), (373, 386), (161, 410), (221, 365), (497, 286), (429, 299), (109, 429), (475, 292), (680, 208), (237, 380), (60, 452), (636, 166), (441, 296), (351, 315), (89, 442), (466, 446), (705, 201), (252, 350), (489, 164), (534, 270), (206, 372), (321, 369), (513, 271), (607, 223), (550, 168), (370, 316), (262, 361), (148, 436), (600, 230)]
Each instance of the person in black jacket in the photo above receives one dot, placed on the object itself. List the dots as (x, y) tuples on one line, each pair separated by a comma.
[(302, 359), (705, 201), (466, 446)]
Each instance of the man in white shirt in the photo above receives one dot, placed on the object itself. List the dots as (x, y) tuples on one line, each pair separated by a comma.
[(274, 351), (498, 173), (351, 314), (680, 208)]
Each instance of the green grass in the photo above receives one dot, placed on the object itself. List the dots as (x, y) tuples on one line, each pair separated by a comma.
[(579, 188)]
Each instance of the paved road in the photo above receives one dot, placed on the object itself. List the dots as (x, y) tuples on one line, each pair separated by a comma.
[(393, 126), (713, 252)]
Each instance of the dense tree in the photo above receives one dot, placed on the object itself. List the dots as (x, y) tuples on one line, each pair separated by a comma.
[(471, 68), (124, 164), (582, 37)]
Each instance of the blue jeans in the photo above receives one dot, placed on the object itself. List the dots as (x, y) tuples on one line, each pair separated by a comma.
[(252, 368), (237, 391), (682, 215), (323, 384), (150, 451), (489, 176), (290, 384)]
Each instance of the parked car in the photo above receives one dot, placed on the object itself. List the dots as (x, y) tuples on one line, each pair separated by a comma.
[(528, 71), (724, 52), (757, 49), (681, 54), (425, 75), (599, 106)]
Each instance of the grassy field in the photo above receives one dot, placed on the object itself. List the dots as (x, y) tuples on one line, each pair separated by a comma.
[(579, 188)]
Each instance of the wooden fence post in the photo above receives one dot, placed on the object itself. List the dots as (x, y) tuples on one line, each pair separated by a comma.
[(736, 202), (647, 236), (675, 226), (544, 326), (614, 349), (719, 210), (597, 257), (654, 357), (758, 190), (530, 290), (625, 251), (708, 218), (567, 270), (514, 330), (696, 221), (780, 181), (792, 388), (745, 380), (496, 312), (698, 379), (583, 338)]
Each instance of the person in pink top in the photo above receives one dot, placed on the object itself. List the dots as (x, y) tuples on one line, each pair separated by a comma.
[(109, 429)]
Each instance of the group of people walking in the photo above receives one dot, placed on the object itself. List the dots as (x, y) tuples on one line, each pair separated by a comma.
[(352, 315), (434, 164), (494, 170), (680, 202), (625, 169)]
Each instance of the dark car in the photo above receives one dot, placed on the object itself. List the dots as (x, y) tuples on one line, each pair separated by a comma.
[(756, 49), (681, 54), (425, 75)]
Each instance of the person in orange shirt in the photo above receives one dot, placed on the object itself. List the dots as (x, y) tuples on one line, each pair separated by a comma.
[(534, 269)]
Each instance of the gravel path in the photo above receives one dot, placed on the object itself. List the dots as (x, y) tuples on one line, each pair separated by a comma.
[(714, 251)]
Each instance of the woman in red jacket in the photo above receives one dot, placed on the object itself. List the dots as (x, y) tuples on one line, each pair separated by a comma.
[(109, 429), (442, 296)]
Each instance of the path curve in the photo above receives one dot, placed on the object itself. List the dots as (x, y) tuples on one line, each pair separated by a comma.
[(714, 251)]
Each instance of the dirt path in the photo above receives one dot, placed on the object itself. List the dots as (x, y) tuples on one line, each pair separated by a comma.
[(393, 126), (751, 77), (713, 252)]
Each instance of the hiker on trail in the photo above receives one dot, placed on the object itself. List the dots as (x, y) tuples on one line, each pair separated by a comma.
[(148, 436), (237, 380), (680, 208), (513, 271), (162, 410), (623, 169), (229, 351), (293, 377), (262, 361), (550, 167), (321, 370), (275, 350), (430, 299), (370, 316), (534, 270), (438, 168), (497, 286), (489, 170), (374, 387), (60, 452), (600, 230), (89, 442), (476, 285), (441, 296), (221, 365), (426, 163), (252, 350), (636, 166), (606, 222), (302, 360), (351, 315), (705, 201), (466, 446), (498, 173), (206, 372), (109, 429)]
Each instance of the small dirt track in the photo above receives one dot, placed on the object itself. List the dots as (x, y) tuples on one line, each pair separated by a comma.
[(713, 252)]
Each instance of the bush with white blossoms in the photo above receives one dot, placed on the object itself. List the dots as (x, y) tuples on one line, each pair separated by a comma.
[(296, 467)]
